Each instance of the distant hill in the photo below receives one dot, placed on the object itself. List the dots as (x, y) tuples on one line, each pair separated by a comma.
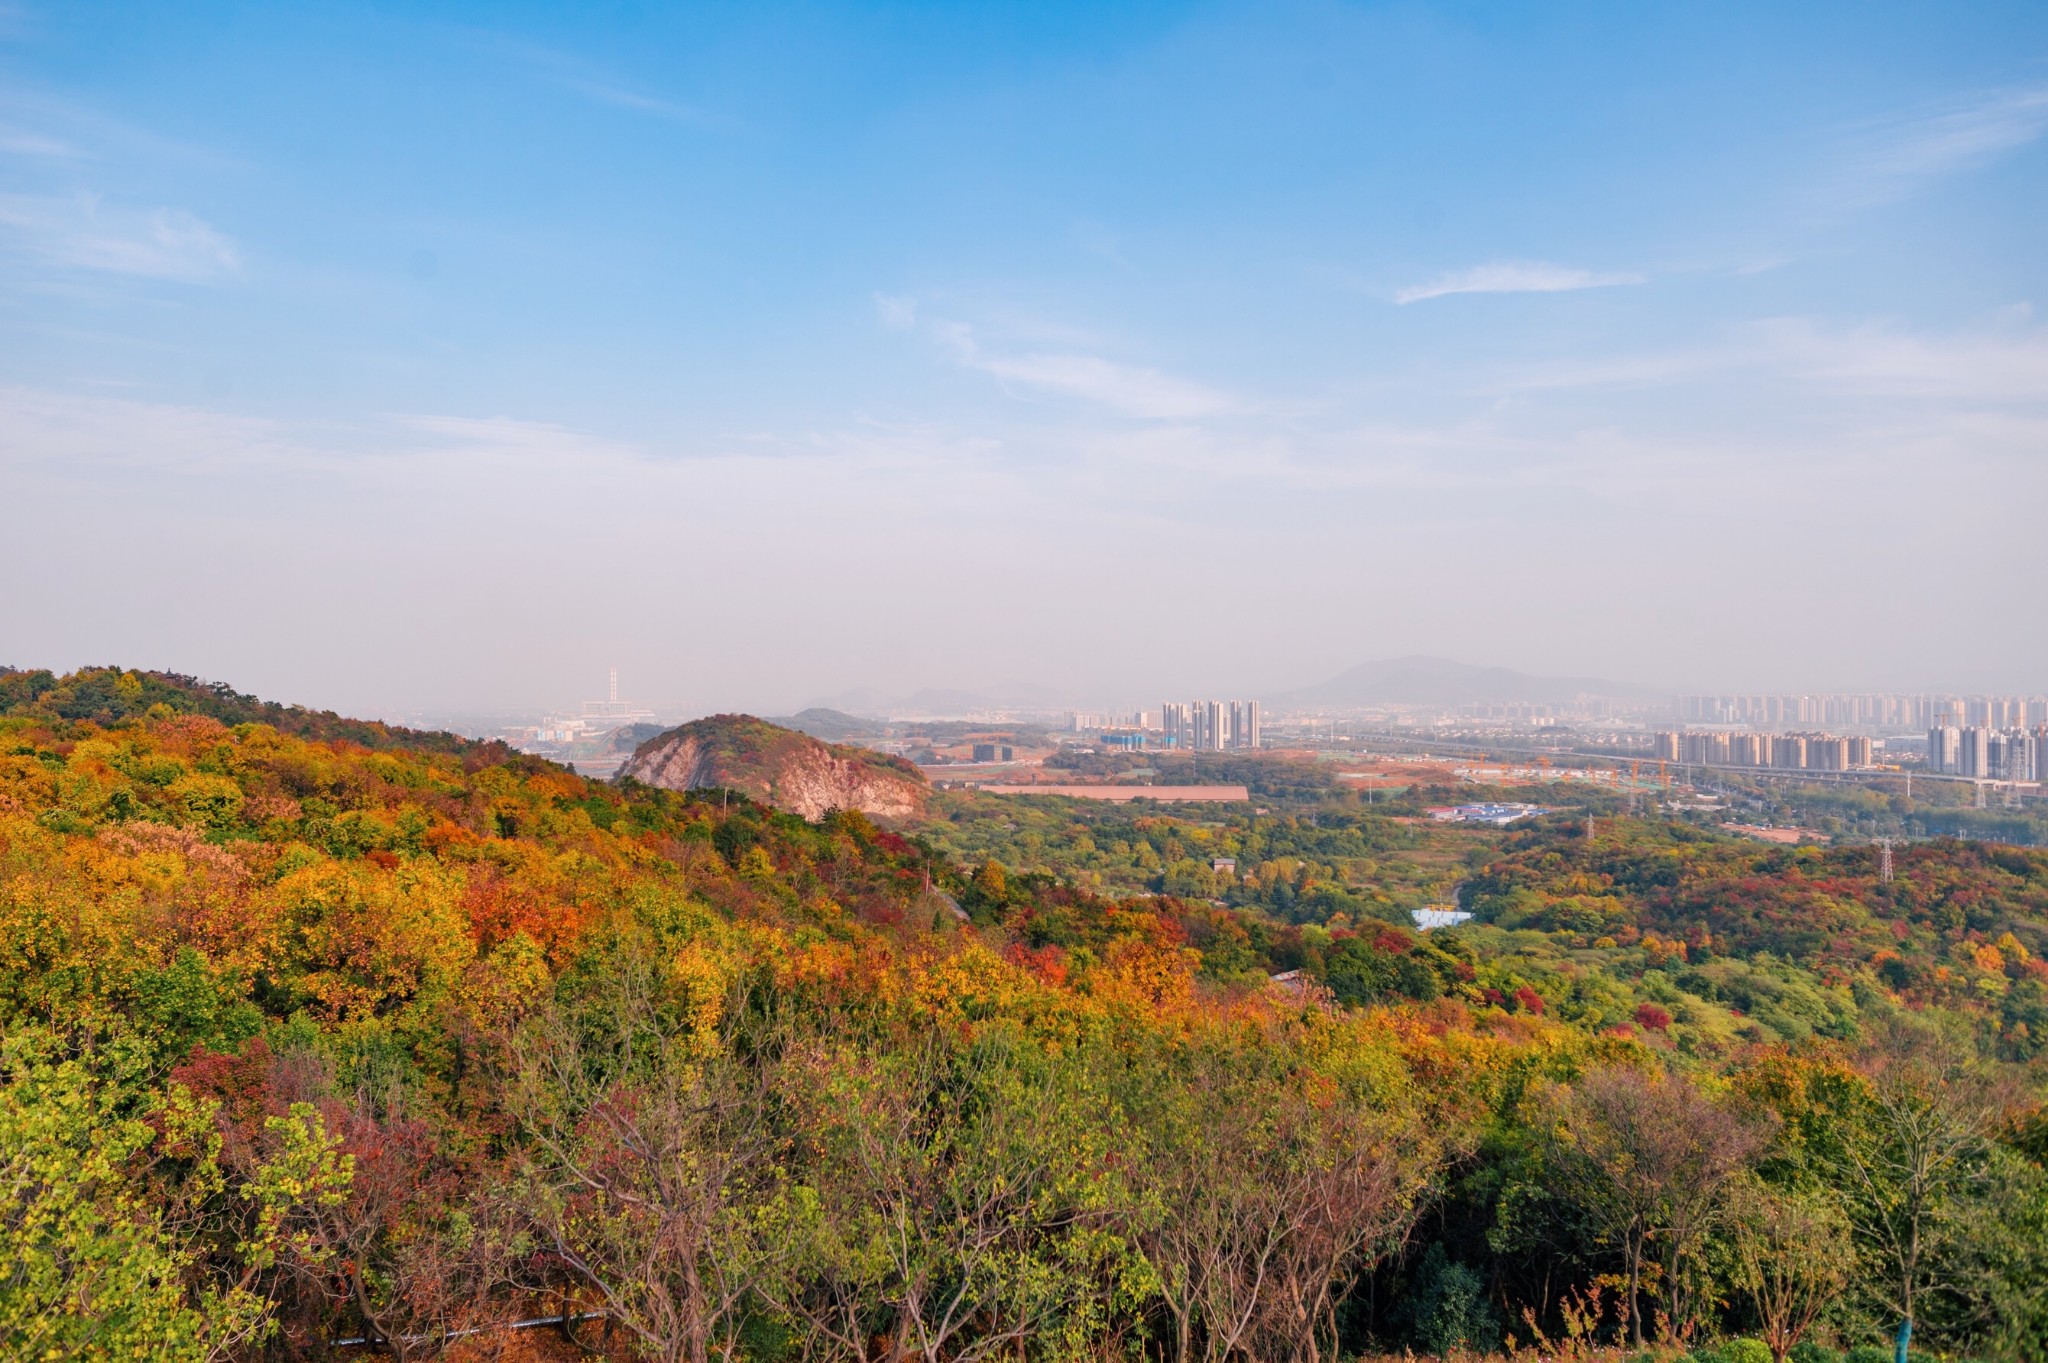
[(109, 695), (627, 737), (778, 766), (1423, 680), (834, 726)]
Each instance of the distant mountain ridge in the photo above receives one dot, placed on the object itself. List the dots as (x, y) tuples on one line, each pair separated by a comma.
[(1421, 679), (834, 726)]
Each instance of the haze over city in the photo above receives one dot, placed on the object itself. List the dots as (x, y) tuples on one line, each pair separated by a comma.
[(422, 357)]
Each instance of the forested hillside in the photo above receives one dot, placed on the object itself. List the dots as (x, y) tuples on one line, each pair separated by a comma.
[(330, 1039), (108, 695)]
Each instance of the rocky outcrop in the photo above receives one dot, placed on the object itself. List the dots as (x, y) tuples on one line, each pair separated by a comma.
[(777, 766)]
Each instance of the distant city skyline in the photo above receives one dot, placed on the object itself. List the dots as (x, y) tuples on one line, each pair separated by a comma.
[(1196, 724)]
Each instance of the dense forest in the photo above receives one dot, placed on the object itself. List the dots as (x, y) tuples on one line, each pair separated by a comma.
[(324, 1038)]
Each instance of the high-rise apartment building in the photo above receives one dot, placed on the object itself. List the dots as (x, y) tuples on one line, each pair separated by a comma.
[(1705, 749), (1176, 724), (1244, 724), (1210, 725), (1989, 754), (1791, 752), (1854, 710), (1825, 753), (1974, 747)]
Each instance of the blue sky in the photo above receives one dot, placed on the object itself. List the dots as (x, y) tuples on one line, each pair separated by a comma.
[(427, 356)]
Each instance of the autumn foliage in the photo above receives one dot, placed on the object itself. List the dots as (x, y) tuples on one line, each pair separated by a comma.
[(403, 1042)]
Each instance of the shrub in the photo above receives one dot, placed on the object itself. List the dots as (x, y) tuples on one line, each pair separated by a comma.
[(1733, 1351), (1450, 1309)]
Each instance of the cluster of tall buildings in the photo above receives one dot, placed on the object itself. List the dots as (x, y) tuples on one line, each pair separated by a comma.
[(1085, 721), (1209, 725), (1792, 752), (1989, 753), (1874, 710), (1529, 714)]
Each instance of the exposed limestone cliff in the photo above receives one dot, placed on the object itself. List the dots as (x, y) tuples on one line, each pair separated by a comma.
[(777, 766)]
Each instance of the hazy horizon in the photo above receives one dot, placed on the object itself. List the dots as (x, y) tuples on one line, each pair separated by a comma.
[(433, 358), (942, 700)]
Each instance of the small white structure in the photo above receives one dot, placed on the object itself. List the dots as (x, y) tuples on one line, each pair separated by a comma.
[(1437, 916), (1500, 815)]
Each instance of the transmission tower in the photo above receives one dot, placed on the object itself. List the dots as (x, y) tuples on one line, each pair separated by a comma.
[(1884, 861)]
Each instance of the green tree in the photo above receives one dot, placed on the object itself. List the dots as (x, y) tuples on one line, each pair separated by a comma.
[(650, 1170), (1647, 1157), (1793, 1258), (1361, 973), (1449, 1307), (1910, 1155), (1267, 1189), (92, 1270), (963, 1202)]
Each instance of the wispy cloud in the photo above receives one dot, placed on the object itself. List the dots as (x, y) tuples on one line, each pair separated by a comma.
[(37, 125), (514, 440), (84, 232), (895, 311), (625, 97), (595, 82), (1131, 390), (27, 142), (2003, 362), (1901, 154), (95, 438), (1513, 276)]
